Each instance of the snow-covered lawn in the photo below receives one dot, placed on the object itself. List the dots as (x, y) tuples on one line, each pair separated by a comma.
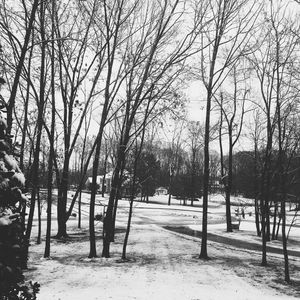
[(162, 264)]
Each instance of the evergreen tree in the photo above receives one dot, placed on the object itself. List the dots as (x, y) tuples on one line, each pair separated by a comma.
[(12, 238)]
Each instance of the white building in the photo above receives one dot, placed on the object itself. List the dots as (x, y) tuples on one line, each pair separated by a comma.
[(161, 191), (99, 181)]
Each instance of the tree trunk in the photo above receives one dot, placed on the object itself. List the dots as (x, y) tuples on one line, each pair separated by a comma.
[(282, 173), (284, 242), (257, 220), (203, 253), (79, 210), (229, 185), (39, 216), (274, 220), (130, 206), (26, 104), (263, 234), (104, 175), (62, 203), (50, 173), (268, 222), (170, 187), (108, 231), (256, 204), (265, 192), (93, 252), (35, 166), (115, 209), (278, 226)]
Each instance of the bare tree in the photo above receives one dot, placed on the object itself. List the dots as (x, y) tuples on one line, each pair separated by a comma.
[(23, 52), (51, 135), (153, 69), (286, 43), (271, 71), (229, 33), (80, 57), (137, 153), (115, 19)]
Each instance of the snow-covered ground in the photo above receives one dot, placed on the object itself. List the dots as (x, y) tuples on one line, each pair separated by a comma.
[(164, 264)]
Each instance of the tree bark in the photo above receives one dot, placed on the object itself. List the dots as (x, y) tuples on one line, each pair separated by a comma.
[(108, 234), (38, 241)]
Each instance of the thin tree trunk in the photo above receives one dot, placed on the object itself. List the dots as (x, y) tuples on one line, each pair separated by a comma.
[(203, 253), (284, 242), (256, 204), (266, 182), (117, 200), (26, 104), (133, 187), (206, 172), (104, 175), (79, 209), (93, 252), (257, 221), (130, 207), (278, 226), (281, 168), (39, 216), (263, 234), (229, 186), (268, 222), (108, 220), (41, 102), (11, 101), (274, 220), (62, 202), (170, 188), (51, 156)]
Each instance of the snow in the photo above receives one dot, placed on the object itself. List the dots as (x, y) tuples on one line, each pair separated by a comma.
[(162, 264)]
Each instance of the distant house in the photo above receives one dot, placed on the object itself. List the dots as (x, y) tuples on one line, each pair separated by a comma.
[(99, 181), (161, 191)]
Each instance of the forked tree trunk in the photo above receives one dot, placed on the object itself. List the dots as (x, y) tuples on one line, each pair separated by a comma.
[(130, 210), (108, 231), (93, 252)]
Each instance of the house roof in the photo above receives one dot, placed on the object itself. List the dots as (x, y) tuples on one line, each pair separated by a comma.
[(99, 178), (161, 188)]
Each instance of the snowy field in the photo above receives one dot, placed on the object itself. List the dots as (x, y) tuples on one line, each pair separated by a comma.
[(164, 264)]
